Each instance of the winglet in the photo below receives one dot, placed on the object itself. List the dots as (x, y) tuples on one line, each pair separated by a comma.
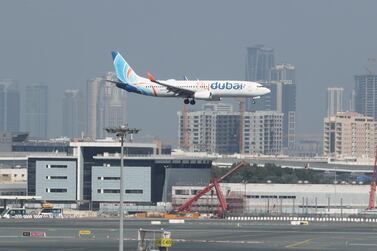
[(150, 76)]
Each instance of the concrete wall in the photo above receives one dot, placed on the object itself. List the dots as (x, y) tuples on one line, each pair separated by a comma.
[(105, 182), (49, 177)]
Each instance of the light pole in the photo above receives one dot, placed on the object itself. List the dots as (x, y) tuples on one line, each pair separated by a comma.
[(121, 132), (245, 197)]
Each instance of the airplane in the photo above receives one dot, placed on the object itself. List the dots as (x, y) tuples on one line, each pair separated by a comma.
[(210, 90)]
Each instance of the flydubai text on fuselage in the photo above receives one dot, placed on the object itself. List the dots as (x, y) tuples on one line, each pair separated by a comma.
[(201, 89)]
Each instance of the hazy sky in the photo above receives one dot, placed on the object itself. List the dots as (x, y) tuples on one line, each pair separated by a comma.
[(64, 43)]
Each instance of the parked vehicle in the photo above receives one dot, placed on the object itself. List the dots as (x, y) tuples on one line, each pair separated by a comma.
[(52, 212), (13, 213)]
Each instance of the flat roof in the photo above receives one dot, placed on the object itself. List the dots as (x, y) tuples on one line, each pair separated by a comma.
[(151, 157), (110, 144), (20, 197)]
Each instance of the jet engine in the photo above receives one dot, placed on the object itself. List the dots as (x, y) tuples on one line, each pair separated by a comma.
[(205, 95)]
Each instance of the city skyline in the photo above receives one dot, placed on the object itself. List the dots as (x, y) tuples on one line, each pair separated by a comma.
[(207, 52)]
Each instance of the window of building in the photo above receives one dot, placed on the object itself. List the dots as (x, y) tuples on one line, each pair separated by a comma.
[(134, 191), (58, 190), (109, 178), (58, 177), (182, 192), (56, 166), (111, 190)]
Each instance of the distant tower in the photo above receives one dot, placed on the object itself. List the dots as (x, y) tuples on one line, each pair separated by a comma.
[(92, 95), (111, 107), (36, 110), (9, 106), (259, 61), (73, 122), (351, 101), (366, 95), (283, 72), (106, 106), (334, 100)]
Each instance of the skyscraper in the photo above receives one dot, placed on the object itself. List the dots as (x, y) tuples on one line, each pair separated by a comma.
[(366, 95), (259, 61), (92, 96), (9, 106), (73, 114), (283, 72), (334, 100), (106, 106), (36, 110)]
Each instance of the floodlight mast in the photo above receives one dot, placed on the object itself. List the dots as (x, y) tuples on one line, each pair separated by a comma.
[(121, 132)]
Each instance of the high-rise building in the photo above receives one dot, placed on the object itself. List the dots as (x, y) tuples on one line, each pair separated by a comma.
[(73, 114), (9, 106), (283, 72), (334, 100), (203, 126), (366, 95), (106, 106), (263, 132), (282, 99), (92, 96), (349, 134), (216, 128), (351, 101), (36, 110), (259, 61)]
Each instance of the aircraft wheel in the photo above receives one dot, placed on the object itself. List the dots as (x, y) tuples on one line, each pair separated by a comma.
[(186, 101), (192, 102)]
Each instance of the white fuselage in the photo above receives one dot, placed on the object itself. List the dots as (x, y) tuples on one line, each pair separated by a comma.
[(214, 90)]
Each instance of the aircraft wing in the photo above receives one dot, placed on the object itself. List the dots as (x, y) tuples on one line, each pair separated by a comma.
[(179, 91)]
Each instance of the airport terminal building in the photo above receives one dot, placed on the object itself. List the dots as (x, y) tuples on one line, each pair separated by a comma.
[(90, 175)]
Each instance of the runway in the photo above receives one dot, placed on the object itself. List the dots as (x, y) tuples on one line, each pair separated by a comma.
[(63, 235)]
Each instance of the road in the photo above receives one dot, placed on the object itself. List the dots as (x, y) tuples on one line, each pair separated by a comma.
[(219, 235)]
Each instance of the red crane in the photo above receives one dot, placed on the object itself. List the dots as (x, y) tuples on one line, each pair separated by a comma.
[(214, 184), (373, 184)]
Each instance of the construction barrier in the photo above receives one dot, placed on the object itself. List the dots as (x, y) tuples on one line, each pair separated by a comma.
[(176, 221), (317, 219), (155, 222)]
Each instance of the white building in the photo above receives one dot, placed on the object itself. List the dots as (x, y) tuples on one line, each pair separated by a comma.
[(334, 100), (280, 198)]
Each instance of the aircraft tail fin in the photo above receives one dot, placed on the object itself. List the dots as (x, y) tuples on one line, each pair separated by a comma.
[(123, 70)]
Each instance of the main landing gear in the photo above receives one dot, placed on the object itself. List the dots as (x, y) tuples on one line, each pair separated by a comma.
[(187, 101)]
